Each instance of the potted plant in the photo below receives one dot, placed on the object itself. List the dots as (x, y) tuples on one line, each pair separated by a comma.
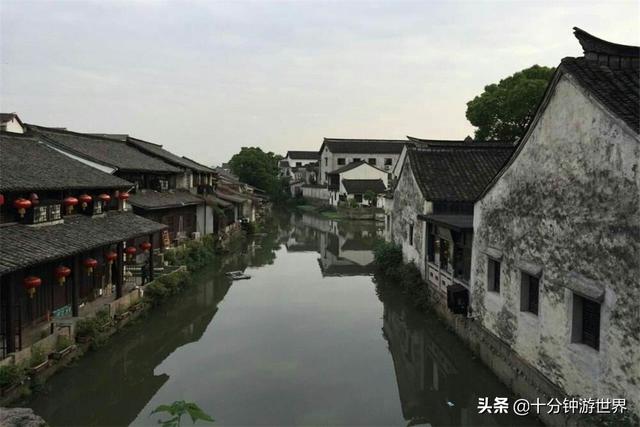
[(38, 361), (64, 346), (11, 376)]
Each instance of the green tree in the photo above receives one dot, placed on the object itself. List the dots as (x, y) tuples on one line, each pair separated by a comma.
[(260, 169), (503, 110), (371, 197)]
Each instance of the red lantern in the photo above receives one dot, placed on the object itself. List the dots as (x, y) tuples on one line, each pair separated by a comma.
[(85, 199), (62, 273), (145, 246), (104, 198), (123, 195), (69, 203), (90, 264), (22, 205), (31, 283), (111, 257), (1, 199), (131, 251)]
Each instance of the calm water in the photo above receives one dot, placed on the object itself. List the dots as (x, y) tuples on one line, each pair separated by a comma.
[(306, 341)]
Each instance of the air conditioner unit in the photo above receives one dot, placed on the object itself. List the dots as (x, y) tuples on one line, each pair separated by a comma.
[(195, 235)]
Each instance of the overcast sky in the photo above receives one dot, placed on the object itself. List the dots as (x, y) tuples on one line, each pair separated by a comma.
[(206, 78)]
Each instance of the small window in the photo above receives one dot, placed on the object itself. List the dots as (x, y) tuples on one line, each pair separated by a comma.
[(326, 161), (55, 213), (411, 234), (372, 161), (431, 248), (388, 162), (164, 184), (298, 164), (529, 293), (341, 161), (493, 275), (355, 160), (97, 207), (358, 198), (40, 214), (586, 321)]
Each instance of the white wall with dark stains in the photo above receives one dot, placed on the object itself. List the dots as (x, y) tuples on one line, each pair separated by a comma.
[(407, 203), (570, 204)]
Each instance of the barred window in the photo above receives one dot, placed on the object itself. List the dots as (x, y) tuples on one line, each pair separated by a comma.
[(40, 214), (55, 212)]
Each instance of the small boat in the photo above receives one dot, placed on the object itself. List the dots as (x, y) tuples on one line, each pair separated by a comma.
[(237, 275)]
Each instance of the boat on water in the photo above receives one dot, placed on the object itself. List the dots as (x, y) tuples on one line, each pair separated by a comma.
[(237, 275)]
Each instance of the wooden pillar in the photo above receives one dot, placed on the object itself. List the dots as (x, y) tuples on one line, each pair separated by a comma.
[(75, 285), (151, 273), (119, 278)]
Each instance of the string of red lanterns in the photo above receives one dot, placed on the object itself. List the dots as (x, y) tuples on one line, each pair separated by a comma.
[(111, 257), (69, 203), (85, 199), (145, 246)]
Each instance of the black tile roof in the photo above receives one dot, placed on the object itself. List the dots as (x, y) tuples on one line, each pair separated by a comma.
[(348, 167), (373, 146), (108, 151), (617, 89), (611, 72), (151, 199), (303, 155), (22, 245), (456, 173), (156, 150), (361, 186), (7, 117), (26, 164), (234, 198), (283, 164)]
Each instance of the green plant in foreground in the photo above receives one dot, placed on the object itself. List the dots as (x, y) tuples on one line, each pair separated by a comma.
[(38, 356), (179, 408), (63, 342), (10, 375)]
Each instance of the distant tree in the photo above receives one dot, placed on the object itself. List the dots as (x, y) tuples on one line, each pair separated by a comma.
[(371, 197), (503, 110), (260, 169)]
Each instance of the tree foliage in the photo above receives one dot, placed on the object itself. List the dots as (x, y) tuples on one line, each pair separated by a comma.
[(179, 408), (260, 169), (503, 110)]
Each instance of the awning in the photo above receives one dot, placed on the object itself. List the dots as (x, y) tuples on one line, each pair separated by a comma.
[(22, 245), (454, 222)]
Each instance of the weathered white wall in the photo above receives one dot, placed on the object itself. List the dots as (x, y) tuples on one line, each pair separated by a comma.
[(406, 205), (294, 162), (204, 218), (13, 126), (570, 203)]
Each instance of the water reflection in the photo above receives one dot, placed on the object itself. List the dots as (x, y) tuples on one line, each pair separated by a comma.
[(295, 345), (345, 247), (439, 381)]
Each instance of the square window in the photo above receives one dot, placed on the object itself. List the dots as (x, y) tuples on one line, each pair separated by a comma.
[(493, 275), (97, 207), (355, 160), (40, 214), (529, 293), (341, 161), (55, 213), (585, 328), (298, 164), (358, 198), (388, 162), (372, 161)]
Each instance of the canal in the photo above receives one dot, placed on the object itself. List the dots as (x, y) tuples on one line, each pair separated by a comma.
[(307, 340)]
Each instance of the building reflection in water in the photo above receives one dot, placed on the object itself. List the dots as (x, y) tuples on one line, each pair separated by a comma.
[(345, 248), (439, 380)]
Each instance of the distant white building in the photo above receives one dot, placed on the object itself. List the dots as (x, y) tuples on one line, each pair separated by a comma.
[(336, 153), (10, 122), (353, 181)]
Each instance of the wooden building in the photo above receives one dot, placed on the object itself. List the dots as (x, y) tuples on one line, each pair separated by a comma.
[(63, 237)]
